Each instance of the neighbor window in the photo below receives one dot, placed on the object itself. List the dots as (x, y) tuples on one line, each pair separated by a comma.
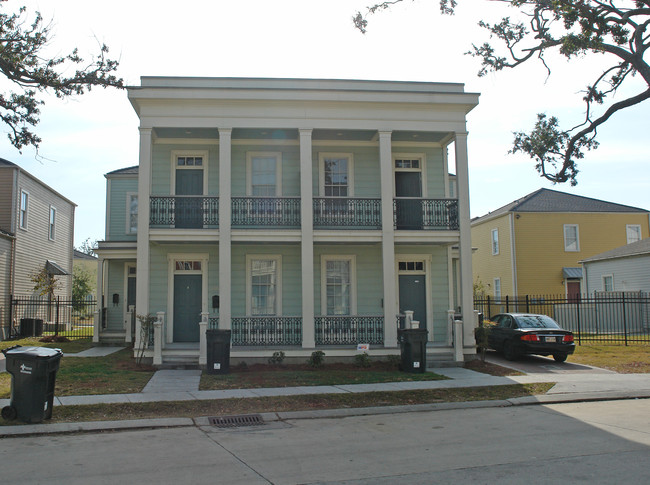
[(633, 233), (264, 285), (264, 171), (571, 237), (24, 206), (52, 223), (338, 285), (497, 289), (132, 213), (495, 241), (608, 283), (336, 175)]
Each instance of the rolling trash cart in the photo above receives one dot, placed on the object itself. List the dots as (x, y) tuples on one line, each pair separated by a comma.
[(413, 350), (218, 351), (33, 375)]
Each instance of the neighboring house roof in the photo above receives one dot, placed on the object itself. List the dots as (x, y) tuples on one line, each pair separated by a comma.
[(80, 255), (6, 234), (7, 163), (572, 272), (634, 249), (53, 268), (124, 171), (546, 200)]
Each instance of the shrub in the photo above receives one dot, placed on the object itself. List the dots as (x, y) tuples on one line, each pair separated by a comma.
[(276, 358), (362, 360), (394, 360), (317, 358)]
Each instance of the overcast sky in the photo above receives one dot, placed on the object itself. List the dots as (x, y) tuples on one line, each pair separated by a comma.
[(88, 136)]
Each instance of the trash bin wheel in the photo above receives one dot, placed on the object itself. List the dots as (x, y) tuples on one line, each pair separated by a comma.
[(9, 413)]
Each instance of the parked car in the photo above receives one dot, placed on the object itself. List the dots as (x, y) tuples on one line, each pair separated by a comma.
[(515, 334)]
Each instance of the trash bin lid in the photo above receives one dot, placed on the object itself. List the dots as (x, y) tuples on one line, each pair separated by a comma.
[(34, 352)]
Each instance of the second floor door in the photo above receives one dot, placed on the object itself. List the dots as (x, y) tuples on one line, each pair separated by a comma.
[(189, 213)]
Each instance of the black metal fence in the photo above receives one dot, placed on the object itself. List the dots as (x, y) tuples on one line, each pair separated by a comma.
[(43, 316), (607, 317)]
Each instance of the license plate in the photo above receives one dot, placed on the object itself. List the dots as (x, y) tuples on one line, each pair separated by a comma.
[(550, 340)]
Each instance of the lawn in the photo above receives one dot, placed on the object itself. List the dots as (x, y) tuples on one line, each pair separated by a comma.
[(71, 347), (619, 358)]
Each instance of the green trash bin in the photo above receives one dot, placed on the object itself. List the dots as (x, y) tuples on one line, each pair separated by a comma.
[(413, 349), (33, 375), (218, 351)]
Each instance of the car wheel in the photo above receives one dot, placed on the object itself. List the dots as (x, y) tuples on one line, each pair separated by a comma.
[(509, 350), (560, 357)]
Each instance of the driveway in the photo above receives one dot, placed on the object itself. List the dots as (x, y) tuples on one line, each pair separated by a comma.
[(535, 364)]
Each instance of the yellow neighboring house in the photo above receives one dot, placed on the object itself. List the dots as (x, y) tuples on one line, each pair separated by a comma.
[(533, 245)]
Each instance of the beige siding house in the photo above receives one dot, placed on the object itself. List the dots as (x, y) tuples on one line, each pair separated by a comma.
[(36, 232)]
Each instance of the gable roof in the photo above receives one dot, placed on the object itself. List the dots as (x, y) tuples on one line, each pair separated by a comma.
[(7, 163), (634, 249), (547, 200), (124, 171), (79, 255)]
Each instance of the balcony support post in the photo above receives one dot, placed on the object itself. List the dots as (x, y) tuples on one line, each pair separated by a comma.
[(225, 223), (142, 254), (307, 239)]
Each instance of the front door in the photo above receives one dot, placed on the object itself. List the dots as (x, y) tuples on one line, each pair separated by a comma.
[(573, 291), (188, 213), (408, 192), (187, 307), (413, 296)]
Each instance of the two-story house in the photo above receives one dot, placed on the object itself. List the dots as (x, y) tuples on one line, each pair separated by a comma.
[(534, 245), (301, 214), (36, 233)]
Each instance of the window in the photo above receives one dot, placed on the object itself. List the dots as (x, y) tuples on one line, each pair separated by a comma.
[(24, 206), (495, 241), (497, 289), (264, 295), (131, 213), (633, 233), (410, 266), (52, 223), (338, 286), (608, 282), (571, 237), (189, 161), (264, 174), (336, 175)]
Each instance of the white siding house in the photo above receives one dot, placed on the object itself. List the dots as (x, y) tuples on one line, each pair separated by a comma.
[(624, 269)]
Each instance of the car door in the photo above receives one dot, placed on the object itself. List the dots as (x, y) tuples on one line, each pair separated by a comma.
[(502, 332)]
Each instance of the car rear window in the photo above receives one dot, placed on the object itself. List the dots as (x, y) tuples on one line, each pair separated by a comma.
[(536, 321)]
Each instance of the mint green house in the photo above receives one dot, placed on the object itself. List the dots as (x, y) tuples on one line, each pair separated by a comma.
[(301, 214)]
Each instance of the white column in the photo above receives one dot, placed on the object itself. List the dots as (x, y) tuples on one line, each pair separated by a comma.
[(388, 239), (130, 315), (225, 194), (307, 240), (144, 192), (203, 341), (158, 338), (465, 246), (97, 324)]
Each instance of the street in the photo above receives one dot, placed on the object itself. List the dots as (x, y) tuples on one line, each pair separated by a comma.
[(600, 442)]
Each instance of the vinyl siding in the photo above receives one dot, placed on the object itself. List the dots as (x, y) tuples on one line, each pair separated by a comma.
[(118, 188), (290, 168), (115, 285), (540, 245), (486, 266), (161, 167), (5, 281), (7, 175), (630, 273)]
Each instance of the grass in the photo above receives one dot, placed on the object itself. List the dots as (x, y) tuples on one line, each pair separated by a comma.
[(71, 347), (619, 358)]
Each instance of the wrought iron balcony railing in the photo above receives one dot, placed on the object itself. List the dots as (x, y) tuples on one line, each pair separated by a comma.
[(266, 330), (266, 212), (339, 213), (349, 330), (184, 211), (419, 214)]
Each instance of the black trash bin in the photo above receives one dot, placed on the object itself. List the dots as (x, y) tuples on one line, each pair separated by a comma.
[(218, 351), (413, 349), (33, 375)]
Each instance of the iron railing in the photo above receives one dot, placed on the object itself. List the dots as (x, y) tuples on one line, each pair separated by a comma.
[(266, 212), (266, 330), (349, 329), (338, 213), (213, 323), (57, 316), (421, 214), (188, 211), (609, 317)]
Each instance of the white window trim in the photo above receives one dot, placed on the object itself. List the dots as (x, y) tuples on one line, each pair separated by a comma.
[(249, 281), (129, 195), (353, 280), (492, 241), (278, 170), (627, 233), (497, 282), (51, 224), (24, 227), (321, 171), (423, 169), (566, 226), (171, 270), (602, 279), (188, 153)]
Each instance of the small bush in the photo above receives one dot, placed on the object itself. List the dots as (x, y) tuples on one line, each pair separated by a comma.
[(394, 360), (362, 360), (317, 358), (276, 358)]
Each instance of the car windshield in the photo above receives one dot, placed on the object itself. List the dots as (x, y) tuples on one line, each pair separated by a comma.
[(536, 321)]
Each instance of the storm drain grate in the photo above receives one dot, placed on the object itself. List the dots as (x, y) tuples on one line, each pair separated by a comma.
[(236, 421)]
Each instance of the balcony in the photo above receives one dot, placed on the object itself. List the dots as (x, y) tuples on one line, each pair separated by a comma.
[(346, 213), (425, 214), (265, 212), (349, 330), (186, 212)]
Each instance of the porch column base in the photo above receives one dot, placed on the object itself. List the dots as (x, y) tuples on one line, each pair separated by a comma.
[(203, 340), (158, 339), (458, 341)]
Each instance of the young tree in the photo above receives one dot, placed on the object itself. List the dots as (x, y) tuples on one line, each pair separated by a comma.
[(81, 286), (615, 30), (32, 73), (88, 247)]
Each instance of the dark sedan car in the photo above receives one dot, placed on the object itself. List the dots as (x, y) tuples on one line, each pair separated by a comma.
[(515, 334)]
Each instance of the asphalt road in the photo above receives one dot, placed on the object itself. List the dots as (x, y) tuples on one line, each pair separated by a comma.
[(600, 442)]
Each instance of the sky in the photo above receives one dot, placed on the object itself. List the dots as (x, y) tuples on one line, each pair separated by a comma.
[(85, 137)]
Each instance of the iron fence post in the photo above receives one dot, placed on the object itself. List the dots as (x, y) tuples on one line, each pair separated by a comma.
[(56, 318), (507, 304), (578, 317), (624, 319)]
